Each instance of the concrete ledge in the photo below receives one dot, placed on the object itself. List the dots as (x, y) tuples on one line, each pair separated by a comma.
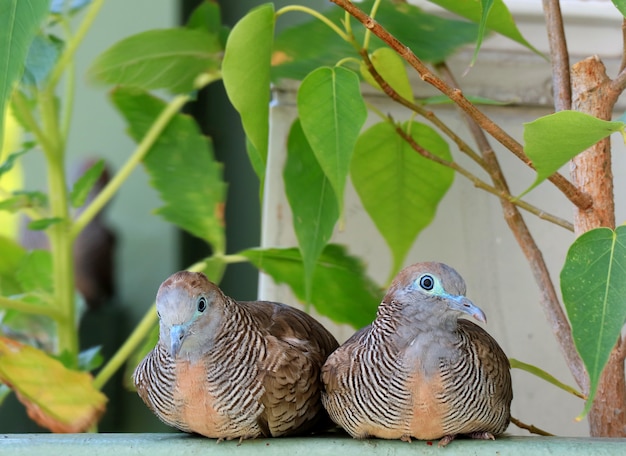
[(183, 444)]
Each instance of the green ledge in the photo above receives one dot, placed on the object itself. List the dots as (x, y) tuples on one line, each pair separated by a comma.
[(183, 444)]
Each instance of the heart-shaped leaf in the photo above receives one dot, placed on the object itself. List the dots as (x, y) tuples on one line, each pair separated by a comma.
[(312, 201), (400, 189), (593, 284), (392, 69), (553, 140), (332, 112)]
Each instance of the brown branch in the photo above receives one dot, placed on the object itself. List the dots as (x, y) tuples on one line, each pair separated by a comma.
[(561, 81), (427, 114), (572, 193), (502, 194), (549, 297), (530, 428)]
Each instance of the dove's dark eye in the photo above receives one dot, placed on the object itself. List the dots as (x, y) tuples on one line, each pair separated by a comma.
[(427, 282), (201, 304)]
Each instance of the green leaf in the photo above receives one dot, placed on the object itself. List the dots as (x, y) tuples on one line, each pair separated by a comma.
[(43, 54), (35, 271), (57, 398), (621, 6), (486, 6), (538, 372), (332, 112), (431, 38), (12, 255), (553, 140), (182, 167), (593, 284), (499, 18), (11, 160), (82, 187), (341, 289), (312, 201), (400, 189), (19, 22), (246, 73), (90, 359), (392, 69), (44, 223), (207, 16), (23, 199), (169, 59), (257, 161)]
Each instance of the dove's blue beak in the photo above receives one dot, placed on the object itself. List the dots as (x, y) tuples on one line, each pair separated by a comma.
[(177, 336), (462, 304)]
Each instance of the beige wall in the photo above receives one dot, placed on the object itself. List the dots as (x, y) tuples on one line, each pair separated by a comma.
[(469, 232)]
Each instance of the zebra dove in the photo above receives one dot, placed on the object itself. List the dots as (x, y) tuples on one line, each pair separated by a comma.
[(227, 369), (419, 371)]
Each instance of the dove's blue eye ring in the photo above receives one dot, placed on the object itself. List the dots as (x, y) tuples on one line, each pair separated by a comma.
[(427, 282), (201, 304)]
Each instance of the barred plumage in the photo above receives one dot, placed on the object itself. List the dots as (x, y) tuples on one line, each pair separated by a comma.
[(418, 371), (227, 369)]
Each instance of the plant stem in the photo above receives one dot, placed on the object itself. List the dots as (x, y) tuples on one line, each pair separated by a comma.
[(68, 95), (72, 45), (317, 15), (429, 115), (561, 81), (23, 110), (503, 194), (530, 428), (27, 307), (142, 149), (61, 249), (368, 33), (60, 243)]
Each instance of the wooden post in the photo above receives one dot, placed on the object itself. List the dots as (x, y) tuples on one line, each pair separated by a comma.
[(591, 173)]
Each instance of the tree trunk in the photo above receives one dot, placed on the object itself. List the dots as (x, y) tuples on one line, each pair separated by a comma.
[(591, 172)]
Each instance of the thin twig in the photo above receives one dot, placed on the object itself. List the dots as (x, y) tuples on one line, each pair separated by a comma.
[(530, 428), (481, 184), (578, 198), (561, 80), (501, 193)]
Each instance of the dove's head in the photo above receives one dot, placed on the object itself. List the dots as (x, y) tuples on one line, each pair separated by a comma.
[(431, 290), (189, 307)]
